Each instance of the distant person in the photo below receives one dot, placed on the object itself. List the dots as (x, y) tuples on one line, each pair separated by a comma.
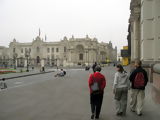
[(139, 81), (43, 69), (120, 90), (97, 84), (94, 66), (3, 84), (61, 73)]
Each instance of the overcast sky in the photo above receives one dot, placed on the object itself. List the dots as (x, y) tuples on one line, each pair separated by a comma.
[(107, 20)]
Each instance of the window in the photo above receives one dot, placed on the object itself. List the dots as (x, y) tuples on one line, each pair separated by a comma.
[(48, 60), (65, 49), (80, 56), (14, 50), (48, 50), (52, 57), (57, 50), (52, 49), (21, 50), (25, 50)]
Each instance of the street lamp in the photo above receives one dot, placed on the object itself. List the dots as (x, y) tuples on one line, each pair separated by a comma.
[(27, 53)]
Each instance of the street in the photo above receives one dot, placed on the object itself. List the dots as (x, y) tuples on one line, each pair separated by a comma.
[(45, 97)]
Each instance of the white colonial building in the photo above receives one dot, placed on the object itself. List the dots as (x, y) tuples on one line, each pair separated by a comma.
[(67, 52), (144, 30)]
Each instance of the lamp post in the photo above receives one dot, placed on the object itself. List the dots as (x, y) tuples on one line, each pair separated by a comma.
[(27, 54)]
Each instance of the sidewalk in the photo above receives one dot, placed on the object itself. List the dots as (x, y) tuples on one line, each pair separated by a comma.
[(23, 74)]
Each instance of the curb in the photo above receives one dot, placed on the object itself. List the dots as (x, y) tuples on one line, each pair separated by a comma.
[(26, 75)]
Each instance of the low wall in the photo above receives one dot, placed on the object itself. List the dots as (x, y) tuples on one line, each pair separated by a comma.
[(156, 76), (156, 83)]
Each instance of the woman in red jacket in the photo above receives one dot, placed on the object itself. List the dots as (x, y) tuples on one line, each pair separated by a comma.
[(97, 84)]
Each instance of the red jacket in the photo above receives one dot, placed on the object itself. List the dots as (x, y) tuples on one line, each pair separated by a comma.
[(98, 78)]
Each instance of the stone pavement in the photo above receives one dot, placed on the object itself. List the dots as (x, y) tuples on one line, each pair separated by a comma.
[(66, 98)]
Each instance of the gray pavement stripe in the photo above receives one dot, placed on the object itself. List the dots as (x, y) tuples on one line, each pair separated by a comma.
[(26, 75), (26, 84)]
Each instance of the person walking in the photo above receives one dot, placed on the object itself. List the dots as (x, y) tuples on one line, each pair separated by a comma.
[(120, 89), (97, 83), (94, 66), (138, 79)]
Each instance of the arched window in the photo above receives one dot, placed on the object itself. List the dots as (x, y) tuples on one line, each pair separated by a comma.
[(80, 56), (65, 49)]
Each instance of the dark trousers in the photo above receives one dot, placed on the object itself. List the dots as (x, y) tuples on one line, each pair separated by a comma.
[(96, 103)]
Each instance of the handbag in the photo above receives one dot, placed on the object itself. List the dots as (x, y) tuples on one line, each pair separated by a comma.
[(95, 86)]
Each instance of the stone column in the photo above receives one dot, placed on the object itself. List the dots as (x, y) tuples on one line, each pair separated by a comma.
[(132, 38), (136, 33), (147, 37), (42, 63), (156, 30), (135, 29), (25, 63), (16, 63)]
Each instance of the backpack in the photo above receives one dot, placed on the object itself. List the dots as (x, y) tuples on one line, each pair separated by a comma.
[(95, 86), (139, 80)]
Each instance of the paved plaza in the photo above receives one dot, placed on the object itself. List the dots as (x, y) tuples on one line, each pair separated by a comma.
[(45, 97)]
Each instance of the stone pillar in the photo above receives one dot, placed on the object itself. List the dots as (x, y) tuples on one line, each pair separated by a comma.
[(147, 38), (136, 32), (16, 63), (156, 30), (132, 42), (42, 63), (135, 29), (25, 63)]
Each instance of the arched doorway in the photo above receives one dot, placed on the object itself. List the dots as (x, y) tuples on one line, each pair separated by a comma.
[(80, 54), (38, 59)]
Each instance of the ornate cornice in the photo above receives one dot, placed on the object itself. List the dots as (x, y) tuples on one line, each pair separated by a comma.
[(135, 7), (135, 3)]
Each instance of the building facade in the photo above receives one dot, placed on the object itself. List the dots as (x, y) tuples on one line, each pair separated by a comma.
[(144, 38), (67, 52), (144, 30)]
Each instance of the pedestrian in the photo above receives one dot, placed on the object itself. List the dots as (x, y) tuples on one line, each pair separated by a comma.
[(3, 84), (97, 84), (138, 79), (61, 73), (94, 66), (120, 90)]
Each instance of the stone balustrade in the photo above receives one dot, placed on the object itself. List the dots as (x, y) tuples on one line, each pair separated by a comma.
[(156, 83), (156, 68)]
